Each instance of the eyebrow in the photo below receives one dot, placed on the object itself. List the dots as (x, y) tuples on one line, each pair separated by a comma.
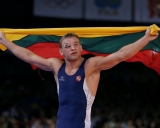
[(67, 42), (75, 42)]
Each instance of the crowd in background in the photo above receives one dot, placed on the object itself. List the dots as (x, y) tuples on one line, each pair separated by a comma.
[(127, 97)]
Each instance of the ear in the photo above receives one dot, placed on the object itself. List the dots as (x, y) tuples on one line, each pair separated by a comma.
[(60, 51)]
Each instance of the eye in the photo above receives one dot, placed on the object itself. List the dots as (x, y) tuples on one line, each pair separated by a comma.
[(67, 46), (75, 44)]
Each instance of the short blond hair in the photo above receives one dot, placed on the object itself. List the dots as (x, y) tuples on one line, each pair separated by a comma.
[(66, 36)]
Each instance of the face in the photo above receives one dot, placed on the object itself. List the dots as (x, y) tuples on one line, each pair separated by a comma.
[(71, 49)]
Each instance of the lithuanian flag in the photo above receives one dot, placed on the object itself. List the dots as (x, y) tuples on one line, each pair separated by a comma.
[(98, 41)]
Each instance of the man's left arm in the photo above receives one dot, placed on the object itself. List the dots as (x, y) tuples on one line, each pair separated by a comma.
[(125, 52)]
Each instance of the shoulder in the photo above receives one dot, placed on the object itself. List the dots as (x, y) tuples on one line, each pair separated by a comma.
[(91, 63), (56, 64), (55, 60)]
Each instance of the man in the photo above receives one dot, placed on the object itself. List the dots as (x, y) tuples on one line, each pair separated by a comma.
[(77, 78)]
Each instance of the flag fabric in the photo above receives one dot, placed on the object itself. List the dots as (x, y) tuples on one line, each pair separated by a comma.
[(98, 41), (108, 10), (147, 11), (58, 8)]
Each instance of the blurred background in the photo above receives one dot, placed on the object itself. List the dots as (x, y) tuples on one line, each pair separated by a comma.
[(128, 94)]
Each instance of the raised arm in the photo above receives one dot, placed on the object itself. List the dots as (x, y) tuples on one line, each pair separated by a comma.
[(28, 56), (126, 52)]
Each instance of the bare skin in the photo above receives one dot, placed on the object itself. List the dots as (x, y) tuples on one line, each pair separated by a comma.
[(71, 50)]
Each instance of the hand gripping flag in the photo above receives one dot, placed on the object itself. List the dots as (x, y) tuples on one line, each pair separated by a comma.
[(98, 41)]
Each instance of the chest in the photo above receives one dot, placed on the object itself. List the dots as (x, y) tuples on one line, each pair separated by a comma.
[(71, 82)]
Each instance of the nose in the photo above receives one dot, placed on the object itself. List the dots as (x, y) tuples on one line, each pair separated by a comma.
[(72, 47)]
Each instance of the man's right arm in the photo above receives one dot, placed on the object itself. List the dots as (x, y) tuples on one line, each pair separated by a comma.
[(28, 56)]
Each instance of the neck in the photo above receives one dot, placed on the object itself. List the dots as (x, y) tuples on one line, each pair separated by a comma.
[(74, 64)]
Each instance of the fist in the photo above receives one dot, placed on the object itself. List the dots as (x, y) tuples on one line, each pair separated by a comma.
[(151, 36)]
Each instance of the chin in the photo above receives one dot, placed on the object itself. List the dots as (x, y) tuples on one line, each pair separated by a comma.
[(74, 58)]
